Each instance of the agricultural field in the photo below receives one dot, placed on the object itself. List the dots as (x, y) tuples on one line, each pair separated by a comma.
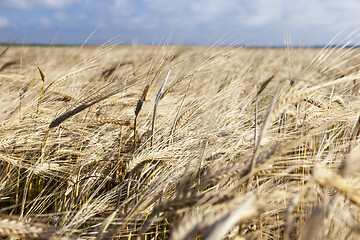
[(179, 142)]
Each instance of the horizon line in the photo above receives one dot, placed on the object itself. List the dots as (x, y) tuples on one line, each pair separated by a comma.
[(315, 46)]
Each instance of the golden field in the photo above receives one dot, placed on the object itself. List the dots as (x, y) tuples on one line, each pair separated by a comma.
[(179, 142)]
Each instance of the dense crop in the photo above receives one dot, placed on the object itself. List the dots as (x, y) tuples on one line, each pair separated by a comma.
[(179, 142)]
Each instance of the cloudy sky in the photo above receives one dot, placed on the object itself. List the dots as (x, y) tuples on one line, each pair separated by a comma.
[(242, 22)]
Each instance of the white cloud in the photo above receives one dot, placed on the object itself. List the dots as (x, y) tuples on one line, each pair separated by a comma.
[(124, 7), (303, 13), (66, 17), (258, 12), (45, 22), (262, 12), (62, 16), (3, 22), (33, 4), (200, 18)]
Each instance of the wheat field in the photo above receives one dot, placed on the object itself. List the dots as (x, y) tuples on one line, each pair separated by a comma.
[(179, 142)]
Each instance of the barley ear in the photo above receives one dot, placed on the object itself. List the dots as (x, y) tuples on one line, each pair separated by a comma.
[(262, 134), (18, 229), (157, 100), (5, 50), (42, 75), (57, 121), (106, 224), (138, 109), (263, 86), (169, 89)]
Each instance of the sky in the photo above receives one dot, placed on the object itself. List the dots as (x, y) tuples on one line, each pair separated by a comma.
[(192, 22)]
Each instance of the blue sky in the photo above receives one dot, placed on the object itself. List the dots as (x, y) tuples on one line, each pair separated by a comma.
[(201, 22)]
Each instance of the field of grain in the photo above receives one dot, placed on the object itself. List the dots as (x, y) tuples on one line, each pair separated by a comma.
[(179, 142)]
